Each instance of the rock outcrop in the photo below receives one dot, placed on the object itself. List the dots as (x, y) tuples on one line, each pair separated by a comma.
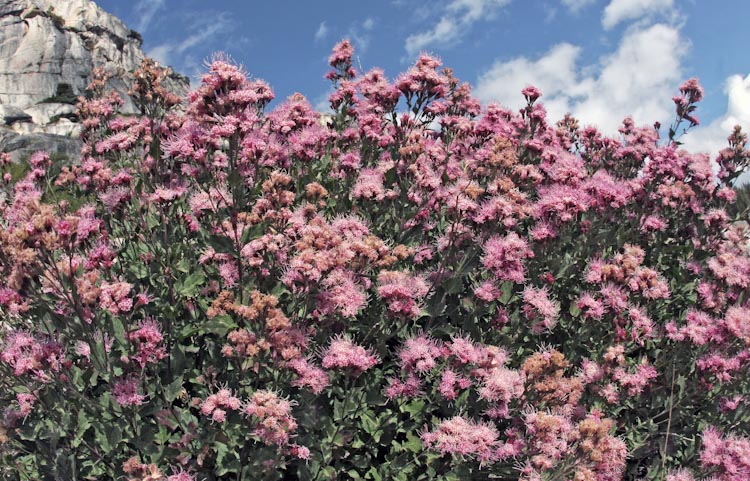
[(48, 49)]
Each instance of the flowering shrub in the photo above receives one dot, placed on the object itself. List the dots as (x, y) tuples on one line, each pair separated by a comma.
[(414, 287)]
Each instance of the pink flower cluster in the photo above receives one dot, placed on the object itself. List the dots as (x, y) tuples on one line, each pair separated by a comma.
[(402, 292), (217, 405), (343, 354)]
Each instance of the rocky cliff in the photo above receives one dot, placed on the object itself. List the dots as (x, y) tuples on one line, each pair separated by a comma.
[(48, 49)]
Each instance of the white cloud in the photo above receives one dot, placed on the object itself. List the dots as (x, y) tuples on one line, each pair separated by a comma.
[(456, 21), (627, 10), (712, 137), (637, 79), (360, 32), (322, 31), (577, 5), (206, 28), (162, 54), (146, 9)]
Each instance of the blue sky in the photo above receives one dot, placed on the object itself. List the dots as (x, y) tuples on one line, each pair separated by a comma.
[(599, 59)]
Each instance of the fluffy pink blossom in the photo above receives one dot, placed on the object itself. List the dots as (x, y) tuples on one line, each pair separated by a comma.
[(401, 292), (500, 387), (408, 388), (531, 93), (217, 405), (680, 475), (341, 294), (504, 257), (636, 382), (419, 354), (115, 297), (308, 375), (539, 308), (728, 456), (25, 354), (181, 475), (272, 417), (464, 437), (148, 342), (126, 392), (342, 353), (26, 403), (737, 322), (369, 185), (591, 307), (591, 372), (465, 351)]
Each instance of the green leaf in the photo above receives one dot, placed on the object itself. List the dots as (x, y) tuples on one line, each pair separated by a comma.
[(373, 474), (189, 287), (118, 329), (414, 407), (83, 425), (219, 325), (114, 436), (413, 443), (172, 390)]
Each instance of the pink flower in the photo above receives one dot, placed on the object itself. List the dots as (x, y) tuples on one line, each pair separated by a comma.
[(83, 349), (114, 297), (126, 393), (341, 294), (729, 456), (409, 388), (418, 354), (26, 403), (181, 475), (464, 437), (401, 292), (591, 372), (737, 322), (538, 307), (342, 353), (504, 256), (309, 376), (487, 292), (692, 89), (466, 352), (272, 417), (637, 381), (342, 54), (591, 307), (147, 340), (502, 385), (680, 475), (299, 452), (369, 185), (216, 405), (25, 353), (531, 93), (448, 382)]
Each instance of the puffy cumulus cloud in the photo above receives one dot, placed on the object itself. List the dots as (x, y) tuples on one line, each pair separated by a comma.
[(618, 11), (637, 79), (712, 137), (457, 20), (576, 5), (555, 73)]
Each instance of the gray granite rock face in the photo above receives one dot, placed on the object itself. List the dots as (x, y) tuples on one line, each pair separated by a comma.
[(48, 49)]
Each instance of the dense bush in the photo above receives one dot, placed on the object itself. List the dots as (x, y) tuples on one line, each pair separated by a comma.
[(412, 288)]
